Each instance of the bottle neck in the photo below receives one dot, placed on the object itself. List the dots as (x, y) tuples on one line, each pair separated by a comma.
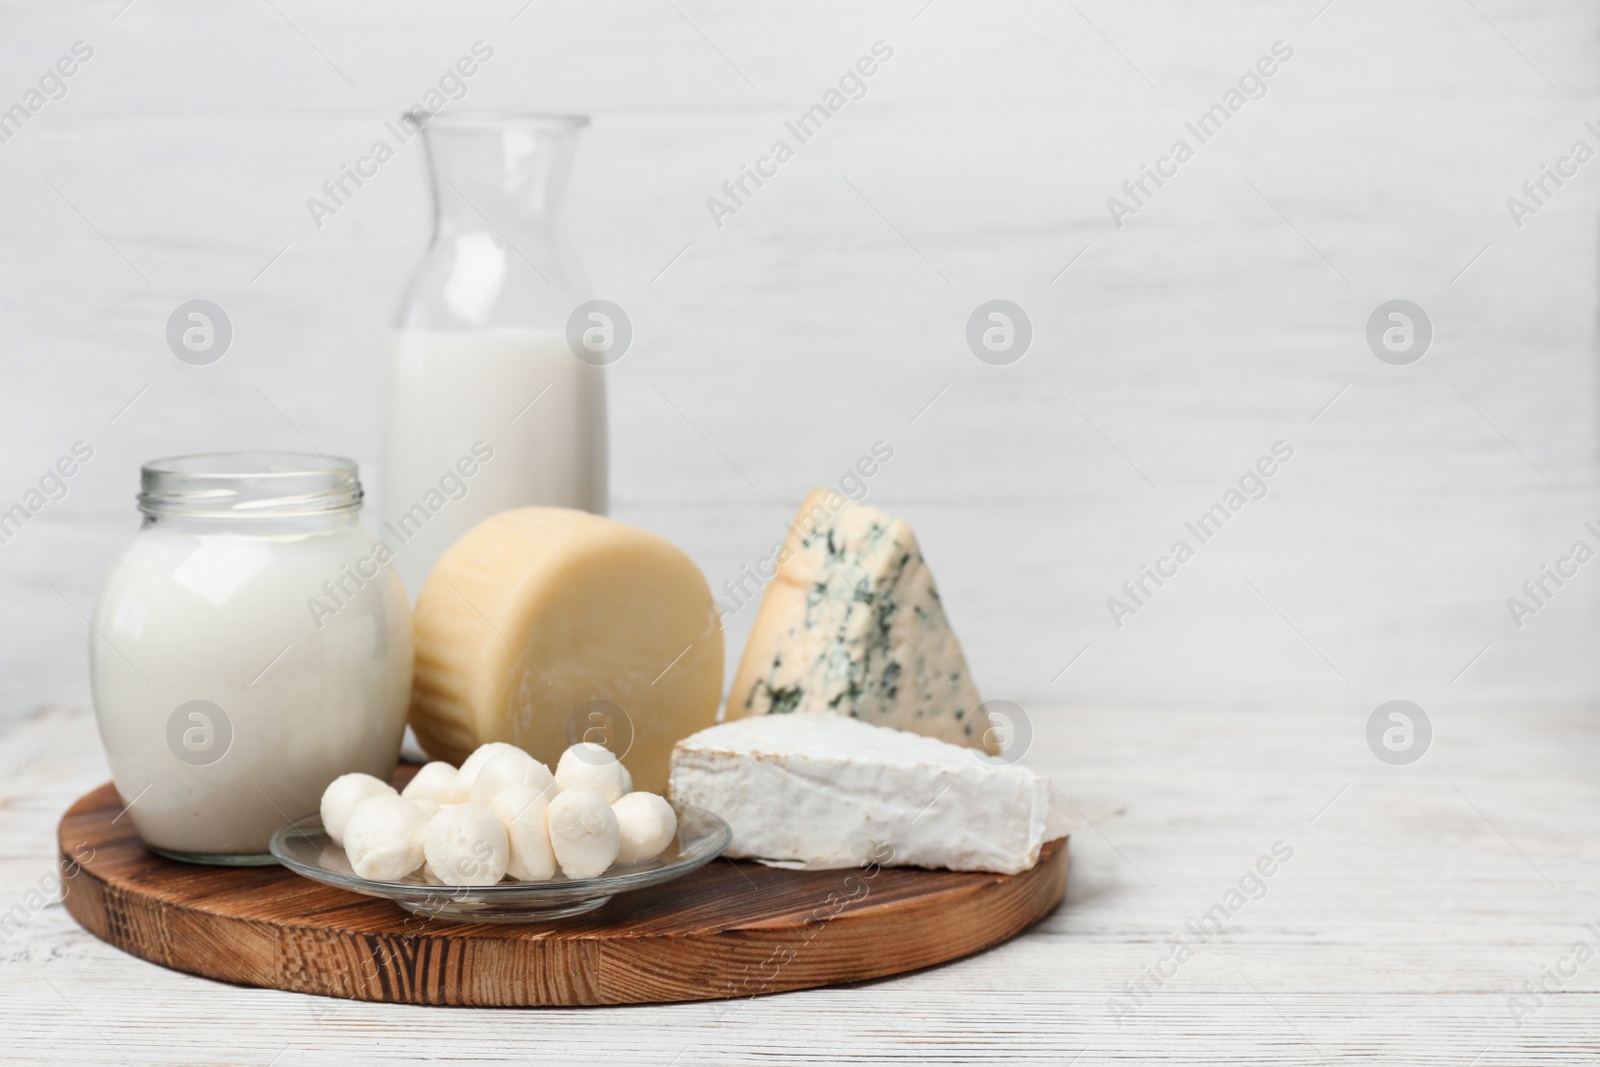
[(499, 255), (504, 177)]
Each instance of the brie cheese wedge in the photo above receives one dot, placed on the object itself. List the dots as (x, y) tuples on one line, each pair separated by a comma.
[(822, 792)]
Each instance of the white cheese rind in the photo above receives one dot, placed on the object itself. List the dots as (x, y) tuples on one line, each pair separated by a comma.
[(853, 625), (824, 792)]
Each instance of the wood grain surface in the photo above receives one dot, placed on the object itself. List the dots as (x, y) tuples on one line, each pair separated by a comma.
[(1418, 903), (729, 929)]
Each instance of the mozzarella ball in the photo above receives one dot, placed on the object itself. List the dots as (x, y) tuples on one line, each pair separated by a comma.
[(466, 845), (429, 808), (468, 774), (583, 832), (627, 780), (436, 781), (587, 765), (647, 825), (339, 800), (522, 809), (383, 838), (508, 769)]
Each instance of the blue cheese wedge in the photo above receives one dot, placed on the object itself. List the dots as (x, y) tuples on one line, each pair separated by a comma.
[(822, 792), (852, 625)]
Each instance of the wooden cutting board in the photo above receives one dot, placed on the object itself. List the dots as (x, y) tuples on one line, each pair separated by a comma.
[(731, 929)]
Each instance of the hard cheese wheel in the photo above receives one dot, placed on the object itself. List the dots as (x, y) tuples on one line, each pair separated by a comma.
[(544, 627)]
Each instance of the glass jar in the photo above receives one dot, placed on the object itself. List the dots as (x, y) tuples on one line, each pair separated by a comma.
[(488, 406), (249, 645)]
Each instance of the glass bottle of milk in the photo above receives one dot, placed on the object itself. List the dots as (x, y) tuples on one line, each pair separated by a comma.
[(488, 407)]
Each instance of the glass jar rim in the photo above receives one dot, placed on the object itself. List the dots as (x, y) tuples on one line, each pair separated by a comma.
[(244, 485)]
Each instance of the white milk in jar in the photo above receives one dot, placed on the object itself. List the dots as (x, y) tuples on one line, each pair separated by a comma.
[(250, 644)]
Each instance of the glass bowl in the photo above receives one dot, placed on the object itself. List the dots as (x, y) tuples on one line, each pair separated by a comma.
[(304, 847)]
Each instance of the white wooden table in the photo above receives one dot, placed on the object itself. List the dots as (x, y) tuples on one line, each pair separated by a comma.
[(1416, 901), (1225, 315)]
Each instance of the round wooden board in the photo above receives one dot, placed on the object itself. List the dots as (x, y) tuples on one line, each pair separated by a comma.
[(731, 929)]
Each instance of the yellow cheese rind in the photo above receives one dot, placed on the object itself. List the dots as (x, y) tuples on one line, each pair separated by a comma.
[(543, 627), (852, 625)]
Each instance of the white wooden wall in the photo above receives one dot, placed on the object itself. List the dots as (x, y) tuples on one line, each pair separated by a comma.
[(830, 311)]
